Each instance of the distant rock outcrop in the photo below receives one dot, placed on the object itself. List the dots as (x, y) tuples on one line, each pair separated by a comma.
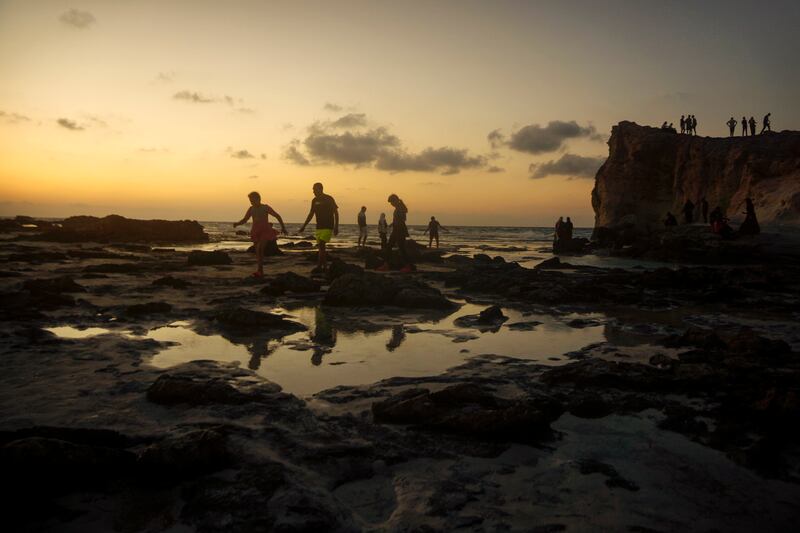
[(114, 228), (649, 172)]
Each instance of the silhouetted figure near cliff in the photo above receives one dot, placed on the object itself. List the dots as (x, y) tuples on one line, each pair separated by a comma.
[(765, 124), (732, 125), (568, 227), (704, 209), (750, 225), (752, 126), (744, 126), (683, 124), (664, 125), (688, 212), (694, 125), (719, 224), (670, 221), (559, 231)]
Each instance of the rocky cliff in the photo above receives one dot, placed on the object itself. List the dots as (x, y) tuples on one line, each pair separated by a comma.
[(649, 172), (115, 228)]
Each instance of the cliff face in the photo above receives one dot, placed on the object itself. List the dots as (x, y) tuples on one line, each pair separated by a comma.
[(649, 172)]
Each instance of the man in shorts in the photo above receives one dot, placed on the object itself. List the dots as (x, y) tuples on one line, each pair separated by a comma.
[(324, 208)]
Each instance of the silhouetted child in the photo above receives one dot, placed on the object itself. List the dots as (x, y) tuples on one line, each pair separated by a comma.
[(433, 231), (383, 229), (261, 231)]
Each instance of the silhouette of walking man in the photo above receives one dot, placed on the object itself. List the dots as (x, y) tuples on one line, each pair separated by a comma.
[(752, 126), (765, 125), (744, 126), (683, 124), (732, 125)]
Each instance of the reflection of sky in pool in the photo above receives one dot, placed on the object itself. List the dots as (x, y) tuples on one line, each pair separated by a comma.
[(322, 357)]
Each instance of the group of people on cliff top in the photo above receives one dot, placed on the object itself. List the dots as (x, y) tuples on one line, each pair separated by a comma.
[(326, 214), (717, 219), (766, 125), (688, 125)]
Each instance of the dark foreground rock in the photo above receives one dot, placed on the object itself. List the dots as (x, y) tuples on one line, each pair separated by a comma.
[(201, 258), (369, 289), (115, 228)]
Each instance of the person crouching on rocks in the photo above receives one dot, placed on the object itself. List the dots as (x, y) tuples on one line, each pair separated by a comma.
[(398, 236), (261, 231)]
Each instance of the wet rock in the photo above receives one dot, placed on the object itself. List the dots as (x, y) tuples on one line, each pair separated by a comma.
[(201, 383), (613, 478), (553, 262), (590, 405), (338, 268), (490, 319), (599, 374), (694, 336), (524, 326), (115, 268), (371, 289), (174, 283), (149, 308), (241, 320), (52, 285), (37, 257), (291, 282), (190, 454), (471, 410), (120, 229), (202, 258), (105, 438), (661, 360), (580, 323)]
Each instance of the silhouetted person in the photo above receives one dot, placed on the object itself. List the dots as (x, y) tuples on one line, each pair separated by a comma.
[(261, 232), (694, 125), (383, 229), (765, 124), (568, 227), (683, 124), (750, 225), (664, 125), (719, 223), (398, 235), (559, 231), (744, 126), (670, 220), (362, 226), (732, 125), (752, 126), (704, 209), (324, 208), (433, 231), (688, 212)]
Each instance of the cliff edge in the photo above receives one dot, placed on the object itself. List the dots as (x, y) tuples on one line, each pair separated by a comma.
[(649, 172)]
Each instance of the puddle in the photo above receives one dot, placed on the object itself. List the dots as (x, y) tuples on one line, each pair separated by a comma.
[(325, 356)]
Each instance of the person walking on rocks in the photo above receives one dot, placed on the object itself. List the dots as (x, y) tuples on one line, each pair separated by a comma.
[(765, 124), (752, 126), (732, 126), (383, 229), (433, 231), (324, 208), (261, 231), (398, 236), (362, 227)]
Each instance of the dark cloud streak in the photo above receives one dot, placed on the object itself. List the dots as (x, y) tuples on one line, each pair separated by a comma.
[(69, 124), (574, 166), (77, 19)]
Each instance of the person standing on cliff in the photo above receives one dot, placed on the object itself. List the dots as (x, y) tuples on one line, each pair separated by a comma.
[(683, 124), (324, 208), (688, 212), (752, 126), (694, 125), (765, 124), (704, 207), (744, 126), (732, 125)]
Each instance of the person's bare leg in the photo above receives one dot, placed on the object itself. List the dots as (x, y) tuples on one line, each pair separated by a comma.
[(430, 241), (322, 255), (260, 256), (437, 241)]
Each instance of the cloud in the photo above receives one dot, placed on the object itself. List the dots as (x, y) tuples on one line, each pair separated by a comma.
[(494, 169), (252, 177), (335, 108), (165, 77), (13, 118), (246, 110), (326, 143), (69, 124), (242, 154), (536, 139), (194, 97), (77, 18), (574, 166), (351, 120), (263, 156)]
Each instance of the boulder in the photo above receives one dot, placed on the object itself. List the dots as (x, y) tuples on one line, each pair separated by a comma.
[(202, 258), (194, 388), (490, 318), (187, 455), (149, 308), (52, 285), (169, 281), (370, 289), (291, 282), (246, 321), (115, 228)]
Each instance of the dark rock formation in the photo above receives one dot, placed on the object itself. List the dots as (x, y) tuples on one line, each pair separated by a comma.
[(241, 320), (367, 288), (490, 319), (115, 228), (649, 172), (201, 258), (290, 282), (169, 281)]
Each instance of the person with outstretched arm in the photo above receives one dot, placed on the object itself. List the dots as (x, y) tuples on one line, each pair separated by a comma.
[(433, 231), (324, 208), (262, 231)]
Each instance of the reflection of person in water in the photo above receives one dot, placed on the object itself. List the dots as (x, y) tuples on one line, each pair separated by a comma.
[(323, 335), (260, 349), (397, 338)]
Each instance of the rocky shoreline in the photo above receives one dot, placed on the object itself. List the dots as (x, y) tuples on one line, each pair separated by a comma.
[(685, 417)]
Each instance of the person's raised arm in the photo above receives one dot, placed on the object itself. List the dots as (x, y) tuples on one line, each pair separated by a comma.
[(336, 221), (444, 229), (308, 219), (245, 218)]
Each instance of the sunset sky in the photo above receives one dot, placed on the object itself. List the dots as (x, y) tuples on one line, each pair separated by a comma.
[(482, 113)]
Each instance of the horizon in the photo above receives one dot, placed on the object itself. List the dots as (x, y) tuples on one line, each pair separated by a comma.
[(480, 114)]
